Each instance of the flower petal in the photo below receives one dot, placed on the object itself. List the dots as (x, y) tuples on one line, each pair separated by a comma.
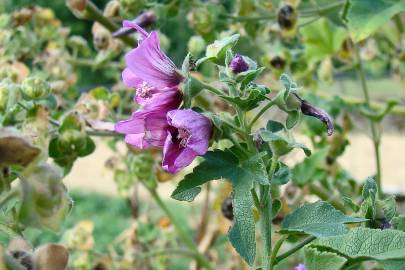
[(152, 65), (175, 158)]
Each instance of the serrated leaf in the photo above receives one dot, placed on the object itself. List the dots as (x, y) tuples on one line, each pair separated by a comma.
[(254, 95), (365, 243), (393, 264), (322, 260), (274, 126), (322, 39), (364, 17), (292, 119), (319, 219), (225, 165)]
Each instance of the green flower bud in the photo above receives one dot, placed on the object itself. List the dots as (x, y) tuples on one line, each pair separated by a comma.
[(35, 88), (72, 140), (217, 50), (9, 94), (196, 45), (141, 166), (45, 202)]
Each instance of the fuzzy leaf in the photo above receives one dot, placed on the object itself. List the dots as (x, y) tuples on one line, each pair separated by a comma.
[(319, 219), (322, 260), (220, 164), (365, 243), (364, 17), (305, 171)]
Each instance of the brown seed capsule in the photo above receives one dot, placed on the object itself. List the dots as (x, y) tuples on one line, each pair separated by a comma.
[(287, 17), (277, 62), (227, 208), (78, 5), (112, 9)]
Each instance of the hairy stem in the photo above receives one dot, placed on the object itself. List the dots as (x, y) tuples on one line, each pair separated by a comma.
[(276, 248), (294, 249), (265, 217), (260, 113), (185, 236), (374, 132)]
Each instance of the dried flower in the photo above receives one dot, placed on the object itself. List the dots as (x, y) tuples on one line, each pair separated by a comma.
[(238, 64), (187, 137)]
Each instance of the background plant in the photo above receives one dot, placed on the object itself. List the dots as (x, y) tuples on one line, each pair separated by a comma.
[(58, 92)]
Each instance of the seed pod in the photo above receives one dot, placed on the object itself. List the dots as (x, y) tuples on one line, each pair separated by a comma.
[(112, 9), (76, 5), (23, 258), (35, 88), (101, 37), (287, 17), (278, 62), (227, 208), (51, 257)]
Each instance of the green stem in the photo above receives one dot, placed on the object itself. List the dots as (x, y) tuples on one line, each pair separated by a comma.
[(320, 11), (326, 196), (211, 88), (91, 63), (294, 249), (95, 14), (185, 236), (374, 133), (260, 113), (276, 248), (265, 217), (166, 252)]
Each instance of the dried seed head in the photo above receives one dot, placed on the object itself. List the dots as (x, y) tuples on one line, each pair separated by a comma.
[(227, 208), (310, 110)]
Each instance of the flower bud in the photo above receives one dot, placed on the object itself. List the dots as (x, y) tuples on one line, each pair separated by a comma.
[(201, 20), (112, 9), (35, 88), (196, 45), (301, 266), (51, 257), (310, 110), (238, 64), (45, 202), (77, 6)]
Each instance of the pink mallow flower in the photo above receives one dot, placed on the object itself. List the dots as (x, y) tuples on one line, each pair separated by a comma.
[(149, 63), (301, 266), (145, 129), (149, 97), (187, 137)]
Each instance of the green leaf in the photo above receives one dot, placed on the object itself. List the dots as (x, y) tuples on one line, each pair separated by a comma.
[(282, 175), (275, 208), (393, 264), (319, 219), (216, 51), (281, 144), (378, 116), (192, 88), (307, 170), (292, 119), (218, 165), (89, 148), (274, 126), (364, 243), (364, 17), (399, 222), (255, 94), (322, 39), (100, 93), (322, 260)]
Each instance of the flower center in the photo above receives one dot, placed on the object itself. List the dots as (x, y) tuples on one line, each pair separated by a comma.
[(183, 136), (144, 90)]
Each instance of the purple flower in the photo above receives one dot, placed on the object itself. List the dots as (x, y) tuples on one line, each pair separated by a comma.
[(149, 63), (308, 109), (301, 266), (145, 129), (143, 20), (238, 64), (187, 137), (150, 97)]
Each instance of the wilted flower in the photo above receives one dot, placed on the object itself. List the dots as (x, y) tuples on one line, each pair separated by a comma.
[(149, 62), (301, 266), (238, 64), (309, 109), (187, 137), (144, 129)]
